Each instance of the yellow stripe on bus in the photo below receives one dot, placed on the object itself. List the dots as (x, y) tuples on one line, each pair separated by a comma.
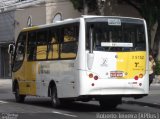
[(131, 63)]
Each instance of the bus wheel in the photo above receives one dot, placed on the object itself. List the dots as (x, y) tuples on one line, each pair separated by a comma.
[(54, 99), (18, 97)]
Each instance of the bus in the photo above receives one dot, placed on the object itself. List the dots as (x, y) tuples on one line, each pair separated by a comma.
[(101, 58)]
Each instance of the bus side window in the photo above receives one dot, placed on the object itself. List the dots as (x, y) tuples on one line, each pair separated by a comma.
[(42, 41), (31, 50), (42, 37), (69, 46), (53, 47)]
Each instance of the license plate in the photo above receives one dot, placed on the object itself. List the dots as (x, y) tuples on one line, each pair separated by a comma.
[(116, 74)]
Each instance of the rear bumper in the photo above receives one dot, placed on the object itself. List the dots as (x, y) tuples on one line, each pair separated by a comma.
[(108, 97)]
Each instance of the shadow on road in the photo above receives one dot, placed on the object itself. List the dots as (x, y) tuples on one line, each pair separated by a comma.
[(92, 106)]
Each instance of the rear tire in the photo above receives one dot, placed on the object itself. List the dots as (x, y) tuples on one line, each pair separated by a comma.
[(19, 98), (54, 99)]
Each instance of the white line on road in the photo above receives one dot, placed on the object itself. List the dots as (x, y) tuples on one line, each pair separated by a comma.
[(3, 102), (64, 114)]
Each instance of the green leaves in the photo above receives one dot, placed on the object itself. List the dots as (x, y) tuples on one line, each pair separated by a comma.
[(157, 68)]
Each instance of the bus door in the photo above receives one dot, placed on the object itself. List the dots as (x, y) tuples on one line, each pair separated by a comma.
[(30, 65), (30, 77), (18, 66)]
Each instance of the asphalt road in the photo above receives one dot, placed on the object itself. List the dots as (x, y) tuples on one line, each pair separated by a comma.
[(40, 108)]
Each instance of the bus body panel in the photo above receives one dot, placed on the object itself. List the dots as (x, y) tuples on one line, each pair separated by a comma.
[(60, 72)]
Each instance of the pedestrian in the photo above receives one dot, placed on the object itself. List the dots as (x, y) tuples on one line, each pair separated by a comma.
[(152, 65)]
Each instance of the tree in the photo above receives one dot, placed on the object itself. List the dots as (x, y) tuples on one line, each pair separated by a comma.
[(96, 6), (157, 36), (149, 10), (84, 6)]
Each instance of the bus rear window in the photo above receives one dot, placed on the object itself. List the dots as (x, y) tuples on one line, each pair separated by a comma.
[(117, 37)]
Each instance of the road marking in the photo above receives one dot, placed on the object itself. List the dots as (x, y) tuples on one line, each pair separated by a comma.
[(145, 106), (64, 114), (3, 102)]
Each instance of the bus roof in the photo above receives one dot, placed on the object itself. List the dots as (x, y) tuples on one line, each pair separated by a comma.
[(66, 21)]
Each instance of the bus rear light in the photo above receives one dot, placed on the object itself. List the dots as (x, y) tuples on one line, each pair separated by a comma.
[(140, 75), (90, 75), (136, 77), (95, 77)]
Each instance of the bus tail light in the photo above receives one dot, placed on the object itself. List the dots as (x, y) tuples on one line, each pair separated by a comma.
[(90, 75), (140, 75), (95, 77), (136, 77)]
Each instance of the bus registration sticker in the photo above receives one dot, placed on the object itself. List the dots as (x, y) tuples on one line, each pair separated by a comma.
[(116, 74), (114, 22)]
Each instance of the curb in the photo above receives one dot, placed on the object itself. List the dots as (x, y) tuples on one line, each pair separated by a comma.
[(5, 82), (155, 84), (142, 103)]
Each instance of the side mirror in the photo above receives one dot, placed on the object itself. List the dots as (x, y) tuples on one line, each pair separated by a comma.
[(11, 49)]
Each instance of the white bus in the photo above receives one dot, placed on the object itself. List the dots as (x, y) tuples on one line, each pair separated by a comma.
[(92, 57)]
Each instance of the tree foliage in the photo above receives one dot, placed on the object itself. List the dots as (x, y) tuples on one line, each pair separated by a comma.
[(79, 4), (149, 10), (94, 6)]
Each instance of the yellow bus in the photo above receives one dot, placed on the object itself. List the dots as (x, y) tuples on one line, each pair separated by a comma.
[(92, 57)]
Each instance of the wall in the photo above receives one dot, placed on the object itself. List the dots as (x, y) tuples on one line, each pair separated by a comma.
[(65, 8), (43, 14), (38, 14), (7, 27)]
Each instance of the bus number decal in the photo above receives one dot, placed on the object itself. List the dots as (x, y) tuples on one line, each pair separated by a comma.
[(137, 57)]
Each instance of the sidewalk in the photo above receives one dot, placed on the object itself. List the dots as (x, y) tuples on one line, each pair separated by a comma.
[(156, 80), (152, 100), (5, 83)]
